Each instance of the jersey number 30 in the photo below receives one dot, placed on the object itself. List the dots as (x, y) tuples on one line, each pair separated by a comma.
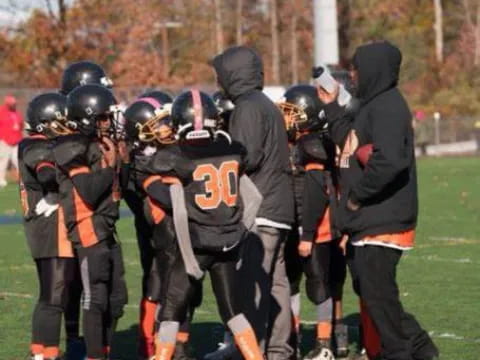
[(218, 184)]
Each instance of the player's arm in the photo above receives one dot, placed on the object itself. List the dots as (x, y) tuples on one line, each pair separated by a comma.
[(391, 155), (92, 186), (339, 123), (247, 127), (39, 160), (158, 190)]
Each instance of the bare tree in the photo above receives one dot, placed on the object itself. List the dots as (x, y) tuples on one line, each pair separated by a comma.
[(218, 26), (473, 22), (294, 46), (239, 19), (438, 26), (275, 42)]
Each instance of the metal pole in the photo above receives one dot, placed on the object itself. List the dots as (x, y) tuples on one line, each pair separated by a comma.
[(325, 32)]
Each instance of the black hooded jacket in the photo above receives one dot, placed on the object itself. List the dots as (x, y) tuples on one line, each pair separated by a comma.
[(258, 124), (386, 187)]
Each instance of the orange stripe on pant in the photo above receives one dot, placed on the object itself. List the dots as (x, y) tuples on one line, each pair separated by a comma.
[(147, 328), (65, 248), (86, 231)]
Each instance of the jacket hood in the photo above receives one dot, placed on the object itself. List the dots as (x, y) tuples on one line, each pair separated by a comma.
[(378, 66), (239, 70)]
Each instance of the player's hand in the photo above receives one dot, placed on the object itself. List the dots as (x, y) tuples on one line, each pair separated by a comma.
[(45, 208), (109, 152), (327, 97), (352, 205), (123, 152), (343, 244), (305, 248)]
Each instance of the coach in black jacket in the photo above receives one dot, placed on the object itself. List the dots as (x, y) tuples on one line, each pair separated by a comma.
[(258, 124), (378, 204)]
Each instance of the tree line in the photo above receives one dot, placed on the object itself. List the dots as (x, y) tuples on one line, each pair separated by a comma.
[(170, 42)]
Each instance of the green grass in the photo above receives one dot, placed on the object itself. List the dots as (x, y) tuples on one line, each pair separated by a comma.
[(439, 280)]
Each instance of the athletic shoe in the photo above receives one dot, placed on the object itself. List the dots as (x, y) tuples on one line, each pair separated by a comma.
[(224, 351), (321, 351)]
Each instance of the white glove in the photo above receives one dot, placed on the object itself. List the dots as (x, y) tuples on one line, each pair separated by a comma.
[(47, 206)]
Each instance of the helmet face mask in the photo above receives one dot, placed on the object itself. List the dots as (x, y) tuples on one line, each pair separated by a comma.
[(156, 129), (302, 110), (147, 122), (294, 116)]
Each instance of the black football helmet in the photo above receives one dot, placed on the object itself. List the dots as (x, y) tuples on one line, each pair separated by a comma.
[(302, 109), (146, 121), (89, 104), (83, 73), (224, 105), (161, 96), (194, 115), (44, 111)]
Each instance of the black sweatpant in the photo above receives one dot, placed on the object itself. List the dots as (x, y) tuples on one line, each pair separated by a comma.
[(374, 270)]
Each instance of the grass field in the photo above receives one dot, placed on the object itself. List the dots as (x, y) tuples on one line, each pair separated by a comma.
[(439, 280)]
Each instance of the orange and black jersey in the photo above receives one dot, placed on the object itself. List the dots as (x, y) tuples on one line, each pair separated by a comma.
[(89, 189), (46, 236), (317, 155), (210, 175)]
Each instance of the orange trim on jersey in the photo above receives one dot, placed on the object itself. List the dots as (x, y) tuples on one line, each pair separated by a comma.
[(79, 170), (44, 164), (314, 166), (404, 239), (324, 229), (156, 211), (64, 245), (170, 180), (151, 179), (24, 199), (86, 231)]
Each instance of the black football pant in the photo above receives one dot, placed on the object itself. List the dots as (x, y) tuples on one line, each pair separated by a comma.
[(374, 270), (182, 291), (325, 270), (72, 307), (55, 276), (104, 293)]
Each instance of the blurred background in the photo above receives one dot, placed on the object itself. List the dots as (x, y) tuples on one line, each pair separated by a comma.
[(168, 43)]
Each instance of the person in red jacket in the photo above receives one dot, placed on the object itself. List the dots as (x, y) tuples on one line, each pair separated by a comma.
[(11, 132)]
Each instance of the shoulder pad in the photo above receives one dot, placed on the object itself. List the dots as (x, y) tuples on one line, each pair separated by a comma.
[(70, 150), (37, 151), (312, 148), (164, 161)]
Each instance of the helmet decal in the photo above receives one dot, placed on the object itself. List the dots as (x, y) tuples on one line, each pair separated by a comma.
[(150, 101), (197, 108)]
